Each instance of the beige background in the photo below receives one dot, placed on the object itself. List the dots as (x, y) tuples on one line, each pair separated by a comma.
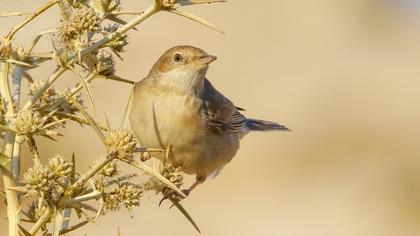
[(343, 74)]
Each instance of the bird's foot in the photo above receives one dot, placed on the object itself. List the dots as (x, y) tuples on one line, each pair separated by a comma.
[(173, 195)]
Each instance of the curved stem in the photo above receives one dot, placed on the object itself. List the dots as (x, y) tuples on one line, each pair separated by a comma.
[(30, 18), (13, 208)]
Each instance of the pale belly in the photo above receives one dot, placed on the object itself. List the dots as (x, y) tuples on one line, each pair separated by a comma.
[(158, 123)]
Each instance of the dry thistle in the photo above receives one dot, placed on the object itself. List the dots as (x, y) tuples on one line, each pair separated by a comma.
[(76, 32), (26, 122), (38, 179), (105, 64), (121, 142), (173, 173), (125, 195), (59, 167)]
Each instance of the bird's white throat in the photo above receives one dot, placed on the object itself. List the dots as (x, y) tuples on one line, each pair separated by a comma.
[(183, 79)]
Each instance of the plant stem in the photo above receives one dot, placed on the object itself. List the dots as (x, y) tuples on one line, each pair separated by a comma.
[(89, 174), (58, 222), (30, 18), (41, 222), (16, 81), (13, 208)]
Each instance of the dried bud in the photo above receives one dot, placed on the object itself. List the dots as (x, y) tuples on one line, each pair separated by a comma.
[(84, 20), (105, 64), (81, 22), (130, 194), (59, 167), (37, 179), (26, 122), (121, 142), (127, 195), (172, 173)]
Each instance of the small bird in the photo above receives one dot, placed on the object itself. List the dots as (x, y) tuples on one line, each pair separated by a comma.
[(176, 106)]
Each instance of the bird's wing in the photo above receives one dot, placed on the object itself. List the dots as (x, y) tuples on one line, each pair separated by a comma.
[(219, 112)]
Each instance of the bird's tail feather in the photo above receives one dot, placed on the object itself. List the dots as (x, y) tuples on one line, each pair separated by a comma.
[(262, 125)]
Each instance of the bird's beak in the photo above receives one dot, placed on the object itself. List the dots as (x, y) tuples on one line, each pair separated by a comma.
[(207, 59)]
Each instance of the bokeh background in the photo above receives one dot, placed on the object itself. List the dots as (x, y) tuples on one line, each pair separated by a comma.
[(344, 75)]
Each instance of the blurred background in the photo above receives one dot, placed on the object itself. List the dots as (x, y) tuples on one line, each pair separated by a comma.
[(343, 75)]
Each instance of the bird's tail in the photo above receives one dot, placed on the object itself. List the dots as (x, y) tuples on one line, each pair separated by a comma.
[(262, 125)]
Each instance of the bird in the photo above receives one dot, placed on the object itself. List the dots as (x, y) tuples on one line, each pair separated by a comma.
[(176, 106)]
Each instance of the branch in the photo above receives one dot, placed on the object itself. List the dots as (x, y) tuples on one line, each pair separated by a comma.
[(38, 12)]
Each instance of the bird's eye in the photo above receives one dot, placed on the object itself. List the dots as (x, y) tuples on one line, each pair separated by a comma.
[(177, 57)]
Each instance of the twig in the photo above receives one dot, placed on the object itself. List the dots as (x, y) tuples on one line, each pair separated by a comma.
[(158, 176), (89, 174), (30, 18), (95, 194), (9, 14), (58, 222), (12, 198), (41, 221)]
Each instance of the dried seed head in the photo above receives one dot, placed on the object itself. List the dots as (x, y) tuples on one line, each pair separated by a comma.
[(127, 195), (84, 20), (122, 142), (26, 122), (59, 167), (37, 179), (82, 23), (173, 173), (105, 64), (130, 194)]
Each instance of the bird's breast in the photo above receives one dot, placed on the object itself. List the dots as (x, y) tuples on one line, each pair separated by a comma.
[(162, 119)]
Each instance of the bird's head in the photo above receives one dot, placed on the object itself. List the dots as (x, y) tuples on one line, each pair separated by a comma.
[(182, 65)]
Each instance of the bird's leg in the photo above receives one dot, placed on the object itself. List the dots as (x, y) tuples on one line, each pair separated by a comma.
[(169, 193), (198, 180)]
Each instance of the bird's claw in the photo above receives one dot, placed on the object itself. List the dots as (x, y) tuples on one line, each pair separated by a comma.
[(173, 195)]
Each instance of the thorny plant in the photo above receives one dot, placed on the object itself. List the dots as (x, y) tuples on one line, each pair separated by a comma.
[(88, 36)]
